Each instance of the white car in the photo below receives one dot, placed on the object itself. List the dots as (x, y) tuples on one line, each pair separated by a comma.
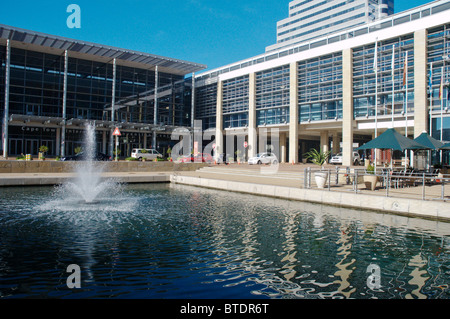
[(337, 159), (263, 158), (148, 154)]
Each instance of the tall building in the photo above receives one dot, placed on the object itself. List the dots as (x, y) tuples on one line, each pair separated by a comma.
[(327, 93), (311, 19), (51, 86)]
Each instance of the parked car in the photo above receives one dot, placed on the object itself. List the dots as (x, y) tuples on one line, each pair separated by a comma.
[(201, 157), (263, 158), (337, 159), (81, 157), (148, 154)]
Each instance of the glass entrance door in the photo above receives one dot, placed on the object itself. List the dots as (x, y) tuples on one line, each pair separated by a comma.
[(15, 146), (31, 147)]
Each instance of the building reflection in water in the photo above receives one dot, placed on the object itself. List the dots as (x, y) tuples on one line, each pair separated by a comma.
[(344, 265)]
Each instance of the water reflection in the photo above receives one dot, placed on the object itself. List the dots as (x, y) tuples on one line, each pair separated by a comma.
[(187, 242), (345, 264)]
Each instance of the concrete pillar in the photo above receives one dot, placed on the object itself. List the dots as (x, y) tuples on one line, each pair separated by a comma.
[(252, 138), (324, 141), (293, 113), (420, 82), (219, 121), (347, 106), (336, 143), (282, 147)]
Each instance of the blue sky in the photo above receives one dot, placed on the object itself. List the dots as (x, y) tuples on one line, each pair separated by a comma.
[(210, 32)]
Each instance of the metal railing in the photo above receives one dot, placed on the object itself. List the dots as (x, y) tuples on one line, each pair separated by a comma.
[(394, 182)]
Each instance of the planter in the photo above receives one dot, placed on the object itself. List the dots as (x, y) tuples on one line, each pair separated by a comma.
[(41, 156), (370, 181), (321, 178)]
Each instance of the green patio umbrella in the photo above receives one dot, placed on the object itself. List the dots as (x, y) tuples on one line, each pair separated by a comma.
[(445, 147), (429, 141), (393, 140)]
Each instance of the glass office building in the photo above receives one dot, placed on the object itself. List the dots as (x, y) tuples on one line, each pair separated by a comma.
[(54, 86), (338, 91), (311, 19), (333, 92)]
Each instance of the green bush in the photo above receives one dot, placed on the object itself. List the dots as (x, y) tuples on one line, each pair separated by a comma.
[(318, 158)]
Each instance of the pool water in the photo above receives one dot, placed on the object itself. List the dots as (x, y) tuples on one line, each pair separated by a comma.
[(172, 241)]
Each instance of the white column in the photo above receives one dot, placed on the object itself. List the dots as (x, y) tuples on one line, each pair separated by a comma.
[(252, 135), (347, 105), (420, 82), (193, 100), (293, 113), (219, 121), (283, 147), (6, 113), (113, 109), (64, 106), (155, 110)]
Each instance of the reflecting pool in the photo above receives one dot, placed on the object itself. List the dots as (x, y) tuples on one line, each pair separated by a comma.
[(172, 241)]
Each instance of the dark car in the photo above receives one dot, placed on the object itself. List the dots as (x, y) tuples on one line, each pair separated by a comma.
[(81, 157)]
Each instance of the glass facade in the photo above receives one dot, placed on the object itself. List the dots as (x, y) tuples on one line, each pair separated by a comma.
[(439, 73), (272, 96), (320, 88), (235, 102), (391, 81), (36, 83), (206, 104), (36, 91), (439, 65)]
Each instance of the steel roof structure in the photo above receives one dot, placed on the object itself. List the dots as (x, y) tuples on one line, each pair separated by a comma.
[(76, 48)]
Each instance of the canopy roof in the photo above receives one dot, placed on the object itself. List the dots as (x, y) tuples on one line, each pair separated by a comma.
[(56, 45), (429, 141), (393, 140)]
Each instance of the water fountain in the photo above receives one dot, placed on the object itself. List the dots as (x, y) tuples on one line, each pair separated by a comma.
[(88, 191), (88, 184)]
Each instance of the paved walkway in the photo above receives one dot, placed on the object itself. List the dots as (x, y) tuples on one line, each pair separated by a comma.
[(293, 176)]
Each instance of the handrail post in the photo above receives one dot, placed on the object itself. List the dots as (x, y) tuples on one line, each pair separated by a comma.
[(355, 181), (423, 186), (386, 182), (305, 178), (329, 179), (337, 175)]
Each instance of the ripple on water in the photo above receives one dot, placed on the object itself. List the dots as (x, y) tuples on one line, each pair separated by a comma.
[(165, 242)]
